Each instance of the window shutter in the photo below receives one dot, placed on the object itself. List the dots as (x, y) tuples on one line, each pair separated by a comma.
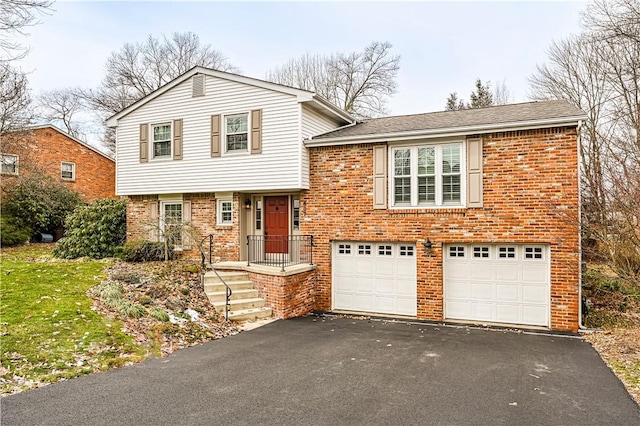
[(186, 221), (474, 172), (256, 131), (144, 143), (380, 177), (153, 221), (215, 135), (177, 139)]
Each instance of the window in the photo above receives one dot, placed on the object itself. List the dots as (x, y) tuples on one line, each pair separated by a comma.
[(507, 252), (364, 249), (68, 171), (481, 252), (384, 250), (258, 215), (9, 164), (225, 212), (172, 222), (296, 214), (534, 253), (456, 251), (406, 251), (427, 176), (237, 134), (161, 134), (344, 248)]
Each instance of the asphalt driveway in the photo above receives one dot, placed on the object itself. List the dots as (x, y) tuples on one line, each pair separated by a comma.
[(339, 371)]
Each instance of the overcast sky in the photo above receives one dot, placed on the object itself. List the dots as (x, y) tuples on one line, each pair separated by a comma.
[(444, 46)]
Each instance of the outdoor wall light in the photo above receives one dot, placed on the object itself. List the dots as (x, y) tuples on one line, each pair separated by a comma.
[(247, 203), (428, 245)]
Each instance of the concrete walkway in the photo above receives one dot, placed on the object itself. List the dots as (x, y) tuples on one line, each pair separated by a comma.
[(341, 371)]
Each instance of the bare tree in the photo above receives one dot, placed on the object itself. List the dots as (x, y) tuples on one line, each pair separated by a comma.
[(15, 15), (63, 106), (138, 69), (501, 94), (14, 99), (358, 82), (599, 72)]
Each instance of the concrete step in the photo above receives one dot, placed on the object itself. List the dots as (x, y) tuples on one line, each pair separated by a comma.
[(220, 296), (250, 314), (236, 305), (227, 276), (234, 285)]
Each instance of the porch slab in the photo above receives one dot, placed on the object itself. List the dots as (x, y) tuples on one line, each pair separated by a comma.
[(265, 270)]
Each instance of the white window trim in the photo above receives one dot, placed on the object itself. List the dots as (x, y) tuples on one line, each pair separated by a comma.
[(224, 134), (219, 202), (152, 142), (17, 163), (73, 171), (161, 216), (414, 176)]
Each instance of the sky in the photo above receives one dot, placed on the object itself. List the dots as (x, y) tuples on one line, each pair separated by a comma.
[(444, 46)]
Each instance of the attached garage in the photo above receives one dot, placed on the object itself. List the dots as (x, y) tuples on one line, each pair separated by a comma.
[(507, 283), (374, 277)]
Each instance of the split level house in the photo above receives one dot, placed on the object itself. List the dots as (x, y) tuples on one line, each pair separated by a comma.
[(461, 216)]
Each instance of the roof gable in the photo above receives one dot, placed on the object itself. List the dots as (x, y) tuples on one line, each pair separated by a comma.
[(67, 135)]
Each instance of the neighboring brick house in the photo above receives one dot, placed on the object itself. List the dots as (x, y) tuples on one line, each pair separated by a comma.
[(49, 150), (460, 216)]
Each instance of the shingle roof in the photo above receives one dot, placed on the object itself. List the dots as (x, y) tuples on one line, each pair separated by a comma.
[(524, 112)]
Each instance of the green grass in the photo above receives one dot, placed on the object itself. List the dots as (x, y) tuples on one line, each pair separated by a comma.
[(48, 331)]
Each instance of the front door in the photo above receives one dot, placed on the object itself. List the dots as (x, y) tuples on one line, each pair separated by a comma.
[(276, 224)]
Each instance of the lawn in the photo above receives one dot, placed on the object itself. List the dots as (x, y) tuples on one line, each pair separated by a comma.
[(48, 328)]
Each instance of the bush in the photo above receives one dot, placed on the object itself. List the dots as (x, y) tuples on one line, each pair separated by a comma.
[(94, 230), (144, 251), (13, 231), (41, 203)]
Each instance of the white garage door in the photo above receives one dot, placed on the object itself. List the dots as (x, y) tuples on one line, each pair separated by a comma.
[(497, 283), (374, 277)]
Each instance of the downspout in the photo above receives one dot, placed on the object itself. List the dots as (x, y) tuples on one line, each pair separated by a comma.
[(580, 325)]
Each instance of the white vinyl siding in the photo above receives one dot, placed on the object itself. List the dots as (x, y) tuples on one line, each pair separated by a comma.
[(313, 123), (278, 167)]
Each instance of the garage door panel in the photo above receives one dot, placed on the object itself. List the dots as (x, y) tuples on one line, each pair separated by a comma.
[(512, 289), (482, 291), (375, 277), (507, 292)]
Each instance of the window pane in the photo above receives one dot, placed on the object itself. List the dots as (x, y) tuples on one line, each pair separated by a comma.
[(427, 189), (173, 223), (237, 124), (237, 142), (296, 215), (259, 214), (451, 188), (162, 133), (9, 164), (161, 149), (402, 162), (402, 190), (451, 159), (426, 161)]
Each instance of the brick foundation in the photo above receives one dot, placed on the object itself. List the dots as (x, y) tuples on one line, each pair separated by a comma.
[(288, 296)]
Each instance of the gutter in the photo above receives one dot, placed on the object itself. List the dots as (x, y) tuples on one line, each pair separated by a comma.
[(444, 132), (580, 325)]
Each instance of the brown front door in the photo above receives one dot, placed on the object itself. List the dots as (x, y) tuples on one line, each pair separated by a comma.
[(276, 227)]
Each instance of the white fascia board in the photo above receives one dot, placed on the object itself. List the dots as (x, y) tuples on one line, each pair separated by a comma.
[(302, 95), (332, 109), (445, 132)]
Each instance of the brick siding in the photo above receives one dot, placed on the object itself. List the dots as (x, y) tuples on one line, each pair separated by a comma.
[(530, 196), (288, 296)]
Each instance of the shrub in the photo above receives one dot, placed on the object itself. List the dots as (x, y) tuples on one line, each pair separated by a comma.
[(94, 230), (13, 231), (41, 203), (144, 251)]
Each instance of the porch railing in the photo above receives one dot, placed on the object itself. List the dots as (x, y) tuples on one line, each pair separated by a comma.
[(279, 250)]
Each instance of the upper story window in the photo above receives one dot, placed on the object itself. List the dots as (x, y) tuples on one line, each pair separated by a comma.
[(429, 175), (237, 132), (68, 171), (9, 164), (161, 140)]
